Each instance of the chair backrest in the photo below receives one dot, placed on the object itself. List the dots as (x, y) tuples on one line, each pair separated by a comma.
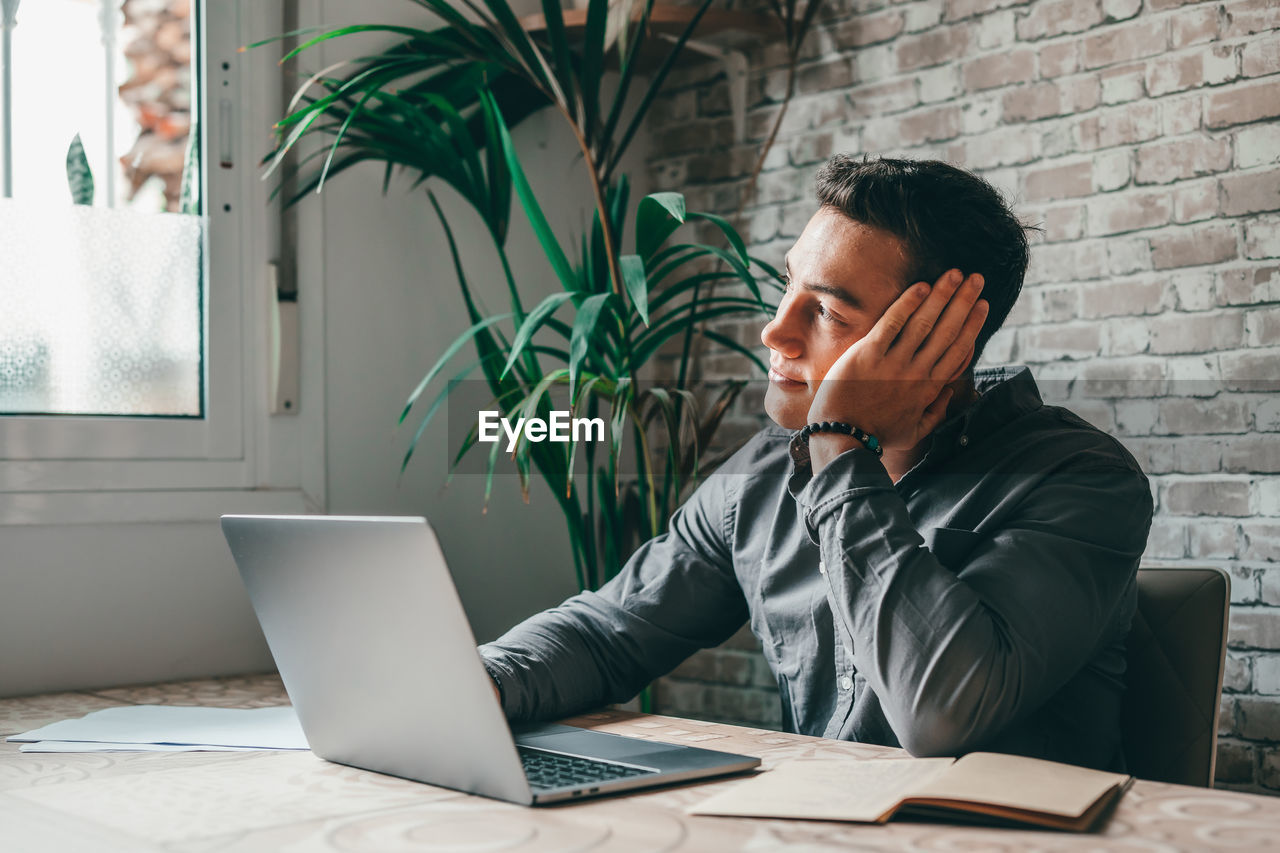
[(1176, 652)]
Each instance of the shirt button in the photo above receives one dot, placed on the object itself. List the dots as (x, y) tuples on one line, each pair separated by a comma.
[(964, 441), (846, 683), (822, 567)]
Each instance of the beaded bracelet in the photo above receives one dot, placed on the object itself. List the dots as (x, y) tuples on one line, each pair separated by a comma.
[(869, 441)]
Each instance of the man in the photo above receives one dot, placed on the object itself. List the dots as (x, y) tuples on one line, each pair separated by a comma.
[(970, 588)]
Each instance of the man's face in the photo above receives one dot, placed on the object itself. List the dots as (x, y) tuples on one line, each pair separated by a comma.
[(842, 275)]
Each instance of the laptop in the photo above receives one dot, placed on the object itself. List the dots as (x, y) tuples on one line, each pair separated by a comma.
[(379, 660)]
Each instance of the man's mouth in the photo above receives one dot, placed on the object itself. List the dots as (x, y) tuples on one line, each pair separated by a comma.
[(782, 380)]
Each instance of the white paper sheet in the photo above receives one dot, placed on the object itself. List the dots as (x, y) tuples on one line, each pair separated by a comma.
[(97, 746), (257, 728)]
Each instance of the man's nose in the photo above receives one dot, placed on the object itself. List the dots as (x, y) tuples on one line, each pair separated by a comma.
[(779, 333)]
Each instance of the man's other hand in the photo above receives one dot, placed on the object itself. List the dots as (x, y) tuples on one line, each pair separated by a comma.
[(893, 382)]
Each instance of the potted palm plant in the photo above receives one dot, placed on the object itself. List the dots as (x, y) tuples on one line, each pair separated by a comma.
[(439, 102)]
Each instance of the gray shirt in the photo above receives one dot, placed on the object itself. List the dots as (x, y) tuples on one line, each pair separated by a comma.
[(981, 602)]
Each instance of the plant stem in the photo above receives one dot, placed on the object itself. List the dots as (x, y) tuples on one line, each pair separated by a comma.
[(610, 543), (597, 189), (607, 236), (652, 488), (593, 410), (577, 548)]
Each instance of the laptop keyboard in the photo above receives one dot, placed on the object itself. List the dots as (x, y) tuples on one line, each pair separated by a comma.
[(555, 770)]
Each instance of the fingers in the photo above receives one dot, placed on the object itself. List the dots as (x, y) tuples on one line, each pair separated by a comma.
[(936, 412), (933, 329), (891, 323), (923, 321), (947, 329), (964, 363), (955, 358)]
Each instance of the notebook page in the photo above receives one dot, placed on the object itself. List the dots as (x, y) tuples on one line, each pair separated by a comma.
[(1021, 783), (825, 789)]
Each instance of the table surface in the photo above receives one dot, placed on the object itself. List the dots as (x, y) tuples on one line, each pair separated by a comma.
[(293, 801)]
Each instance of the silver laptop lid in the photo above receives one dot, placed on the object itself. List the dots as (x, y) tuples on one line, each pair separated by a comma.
[(375, 650)]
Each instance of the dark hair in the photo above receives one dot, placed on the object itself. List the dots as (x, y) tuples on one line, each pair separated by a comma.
[(945, 217)]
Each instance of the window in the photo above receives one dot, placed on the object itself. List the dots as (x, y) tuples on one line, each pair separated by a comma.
[(133, 325), (100, 313)]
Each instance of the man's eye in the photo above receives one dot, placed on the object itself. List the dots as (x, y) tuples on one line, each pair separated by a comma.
[(819, 308)]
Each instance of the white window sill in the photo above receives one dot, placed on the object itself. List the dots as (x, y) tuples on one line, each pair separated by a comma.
[(117, 507)]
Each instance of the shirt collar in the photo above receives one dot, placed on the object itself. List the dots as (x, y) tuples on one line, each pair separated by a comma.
[(1006, 393)]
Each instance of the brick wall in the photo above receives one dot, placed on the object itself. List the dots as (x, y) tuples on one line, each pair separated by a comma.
[(1143, 136)]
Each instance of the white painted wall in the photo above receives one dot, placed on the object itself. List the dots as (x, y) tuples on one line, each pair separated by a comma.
[(86, 605)]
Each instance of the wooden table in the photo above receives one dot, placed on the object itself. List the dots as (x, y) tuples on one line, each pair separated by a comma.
[(293, 801)]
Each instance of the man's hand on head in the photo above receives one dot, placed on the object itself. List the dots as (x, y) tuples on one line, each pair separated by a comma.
[(893, 382)]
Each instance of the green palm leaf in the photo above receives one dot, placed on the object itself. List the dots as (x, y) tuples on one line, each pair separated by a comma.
[(546, 238), (449, 353), (637, 285), (730, 234), (584, 328), (657, 218), (531, 325)]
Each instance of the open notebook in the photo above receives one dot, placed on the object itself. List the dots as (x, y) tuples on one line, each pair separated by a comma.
[(985, 785)]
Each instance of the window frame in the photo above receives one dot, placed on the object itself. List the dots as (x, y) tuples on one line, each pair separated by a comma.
[(68, 468)]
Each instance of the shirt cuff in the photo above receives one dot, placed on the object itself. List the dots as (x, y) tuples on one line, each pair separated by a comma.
[(505, 679), (855, 472)]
